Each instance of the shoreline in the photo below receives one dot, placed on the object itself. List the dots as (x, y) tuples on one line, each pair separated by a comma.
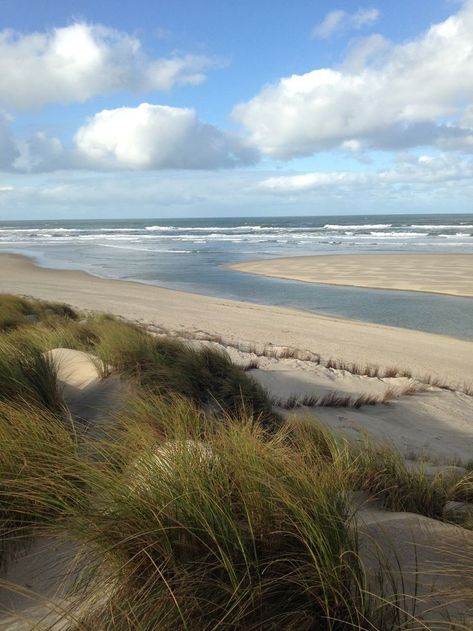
[(349, 270), (244, 322)]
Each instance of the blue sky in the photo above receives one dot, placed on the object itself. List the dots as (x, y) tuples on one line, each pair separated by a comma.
[(207, 108)]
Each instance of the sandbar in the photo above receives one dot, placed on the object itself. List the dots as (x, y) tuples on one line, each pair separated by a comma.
[(433, 273)]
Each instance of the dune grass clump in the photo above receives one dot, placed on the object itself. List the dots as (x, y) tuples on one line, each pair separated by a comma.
[(385, 476), (462, 490), (54, 333), (191, 522), (380, 471), (27, 374), (159, 364), (253, 364), (200, 525), (166, 366), (16, 311), (39, 473), (342, 400)]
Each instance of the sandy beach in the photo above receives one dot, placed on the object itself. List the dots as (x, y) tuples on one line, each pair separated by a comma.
[(434, 273), (353, 341)]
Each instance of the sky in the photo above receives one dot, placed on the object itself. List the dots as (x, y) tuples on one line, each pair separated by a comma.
[(204, 108)]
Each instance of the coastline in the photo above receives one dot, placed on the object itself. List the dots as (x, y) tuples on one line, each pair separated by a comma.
[(445, 274), (235, 321)]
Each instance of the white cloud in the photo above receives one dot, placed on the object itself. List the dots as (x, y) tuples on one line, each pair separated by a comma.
[(415, 94), (329, 25), (434, 172), (339, 20), (146, 137), (426, 184), (309, 181), (77, 62), (156, 137), (365, 17), (364, 51), (41, 153), (8, 149)]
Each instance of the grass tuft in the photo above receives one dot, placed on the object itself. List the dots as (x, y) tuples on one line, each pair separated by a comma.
[(16, 311), (29, 375), (39, 473), (341, 400), (380, 471), (201, 525), (166, 366)]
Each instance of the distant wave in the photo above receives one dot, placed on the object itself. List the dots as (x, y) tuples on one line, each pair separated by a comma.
[(362, 226), (457, 235), (439, 226), (409, 235), (205, 229), (292, 237)]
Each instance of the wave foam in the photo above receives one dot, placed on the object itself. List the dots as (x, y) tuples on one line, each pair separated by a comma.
[(361, 226)]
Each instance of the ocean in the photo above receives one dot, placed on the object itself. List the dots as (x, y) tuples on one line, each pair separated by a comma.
[(191, 254)]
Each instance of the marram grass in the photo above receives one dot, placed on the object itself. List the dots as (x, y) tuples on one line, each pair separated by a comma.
[(200, 525), (380, 471), (16, 311), (202, 510), (28, 374), (40, 473), (161, 365), (167, 367), (191, 522)]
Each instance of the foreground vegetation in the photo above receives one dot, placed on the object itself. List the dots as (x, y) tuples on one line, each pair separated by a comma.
[(200, 509)]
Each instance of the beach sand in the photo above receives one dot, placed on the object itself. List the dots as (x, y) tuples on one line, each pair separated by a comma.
[(434, 273), (239, 322)]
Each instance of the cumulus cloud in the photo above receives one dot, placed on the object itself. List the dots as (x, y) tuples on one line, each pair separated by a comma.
[(339, 20), (77, 62), (418, 91), (146, 137), (436, 171), (157, 137)]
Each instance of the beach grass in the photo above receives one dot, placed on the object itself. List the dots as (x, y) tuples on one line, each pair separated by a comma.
[(342, 400), (199, 524), (200, 508), (28, 374), (159, 364), (380, 471), (39, 472), (16, 311), (166, 366)]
